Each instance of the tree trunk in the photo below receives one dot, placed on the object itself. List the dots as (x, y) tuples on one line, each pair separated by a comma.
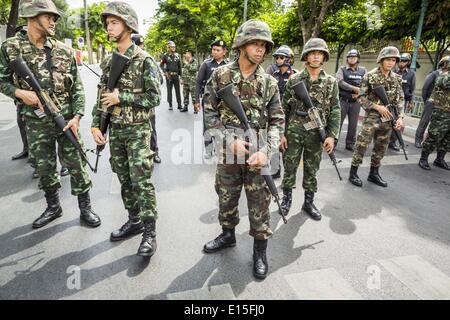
[(339, 54), (12, 20), (428, 53)]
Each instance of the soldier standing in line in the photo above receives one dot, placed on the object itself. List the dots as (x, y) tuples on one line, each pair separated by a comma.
[(218, 53), (439, 131), (190, 70), (171, 66), (349, 78), (53, 64), (136, 94), (299, 142), (377, 121), (409, 85), (258, 92)]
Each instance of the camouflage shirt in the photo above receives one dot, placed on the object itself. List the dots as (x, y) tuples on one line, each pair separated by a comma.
[(261, 101), (138, 86), (441, 92), (392, 85), (190, 72), (64, 86), (324, 93)]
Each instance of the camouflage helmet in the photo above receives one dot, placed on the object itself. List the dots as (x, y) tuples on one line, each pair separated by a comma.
[(253, 30), (287, 52), (353, 53), (33, 8), (444, 62), (123, 11), (388, 52), (315, 44), (405, 57)]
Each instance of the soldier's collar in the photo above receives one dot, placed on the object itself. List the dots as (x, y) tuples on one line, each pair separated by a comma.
[(49, 43), (305, 74)]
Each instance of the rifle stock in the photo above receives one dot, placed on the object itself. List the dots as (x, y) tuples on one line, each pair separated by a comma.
[(302, 93), (20, 67), (234, 103)]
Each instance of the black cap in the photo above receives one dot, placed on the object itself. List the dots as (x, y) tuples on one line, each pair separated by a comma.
[(219, 43), (137, 39)]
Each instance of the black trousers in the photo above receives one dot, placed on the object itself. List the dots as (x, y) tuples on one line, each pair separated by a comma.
[(173, 81)]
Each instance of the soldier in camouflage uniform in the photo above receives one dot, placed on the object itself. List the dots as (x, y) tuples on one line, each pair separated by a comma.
[(439, 130), (136, 94), (298, 141), (259, 94), (189, 78), (376, 124), (64, 85)]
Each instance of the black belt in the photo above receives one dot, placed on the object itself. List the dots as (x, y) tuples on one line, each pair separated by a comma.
[(348, 99)]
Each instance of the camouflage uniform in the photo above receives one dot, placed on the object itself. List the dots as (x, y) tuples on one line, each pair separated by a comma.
[(68, 92), (439, 130), (325, 96), (372, 126), (130, 131), (64, 86), (260, 97), (189, 81)]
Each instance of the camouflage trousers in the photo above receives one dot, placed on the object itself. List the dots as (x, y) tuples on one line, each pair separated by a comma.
[(438, 132), (132, 161), (309, 145), (43, 134), (380, 132), (229, 181), (188, 89)]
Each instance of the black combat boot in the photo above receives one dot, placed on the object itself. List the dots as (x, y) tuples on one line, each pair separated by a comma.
[(260, 266), (224, 240), (132, 227), (21, 155), (86, 213), (418, 144), (423, 162), (35, 174), (309, 207), (277, 174), (287, 201), (375, 177), (185, 109), (52, 212), (353, 177), (148, 243), (393, 146), (180, 107), (440, 162), (170, 106)]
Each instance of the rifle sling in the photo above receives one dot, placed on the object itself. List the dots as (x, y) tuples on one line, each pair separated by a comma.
[(48, 54)]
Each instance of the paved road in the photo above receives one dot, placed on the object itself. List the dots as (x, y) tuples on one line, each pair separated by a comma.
[(372, 243)]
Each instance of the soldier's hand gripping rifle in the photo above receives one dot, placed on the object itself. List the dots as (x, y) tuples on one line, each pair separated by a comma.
[(118, 63), (380, 92), (314, 115), (20, 67), (234, 103)]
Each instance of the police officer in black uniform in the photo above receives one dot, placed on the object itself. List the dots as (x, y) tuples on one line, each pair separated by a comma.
[(218, 53), (283, 70), (349, 78), (409, 85), (171, 65)]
